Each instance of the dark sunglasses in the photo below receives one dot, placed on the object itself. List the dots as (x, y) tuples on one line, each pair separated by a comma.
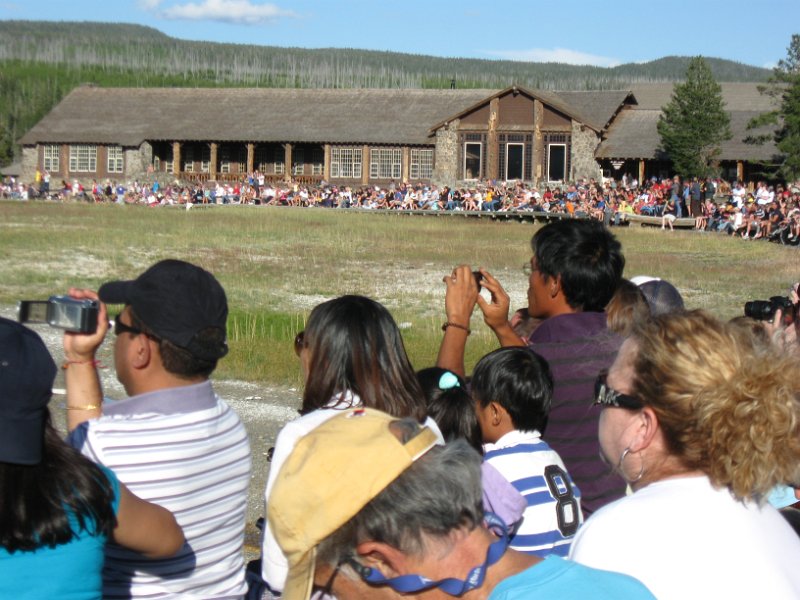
[(606, 396), (299, 342), (120, 327)]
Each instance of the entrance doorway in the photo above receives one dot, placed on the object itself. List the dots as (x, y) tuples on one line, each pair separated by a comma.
[(556, 162), (515, 155)]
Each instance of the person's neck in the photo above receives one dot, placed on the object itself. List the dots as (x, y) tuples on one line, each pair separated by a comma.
[(471, 551), (160, 381)]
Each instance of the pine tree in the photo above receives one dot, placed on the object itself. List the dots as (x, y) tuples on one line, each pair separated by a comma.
[(694, 122), (784, 87)]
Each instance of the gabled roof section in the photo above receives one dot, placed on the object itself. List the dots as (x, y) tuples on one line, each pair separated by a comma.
[(597, 108), (550, 98), (129, 116)]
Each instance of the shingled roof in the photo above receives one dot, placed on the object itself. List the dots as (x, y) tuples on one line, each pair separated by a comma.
[(129, 116), (633, 133), (596, 108)]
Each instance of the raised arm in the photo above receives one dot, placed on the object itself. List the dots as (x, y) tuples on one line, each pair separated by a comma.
[(84, 394), (459, 302), (495, 311)]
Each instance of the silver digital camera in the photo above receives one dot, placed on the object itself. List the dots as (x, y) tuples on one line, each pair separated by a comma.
[(63, 312)]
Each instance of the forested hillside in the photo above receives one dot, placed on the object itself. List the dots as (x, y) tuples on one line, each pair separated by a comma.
[(42, 61)]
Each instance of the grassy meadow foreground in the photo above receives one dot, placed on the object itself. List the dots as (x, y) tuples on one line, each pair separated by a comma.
[(277, 264)]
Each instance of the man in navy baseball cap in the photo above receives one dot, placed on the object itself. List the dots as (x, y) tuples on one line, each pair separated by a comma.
[(173, 441)]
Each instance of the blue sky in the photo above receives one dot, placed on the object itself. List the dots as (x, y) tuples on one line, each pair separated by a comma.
[(598, 32)]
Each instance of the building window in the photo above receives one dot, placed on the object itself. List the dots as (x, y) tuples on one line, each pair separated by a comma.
[(269, 159), (115, 159), (298, 161), (385, 163), (317, 160), (421, 163), (188, 159), (346, 162), (82, 158), (205, 159), (472, 160), (52, 158)]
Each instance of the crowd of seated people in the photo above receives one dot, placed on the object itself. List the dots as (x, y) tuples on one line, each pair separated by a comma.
[(751, 211)]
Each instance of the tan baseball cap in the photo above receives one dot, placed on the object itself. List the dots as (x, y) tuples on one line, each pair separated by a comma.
[(332, 473)]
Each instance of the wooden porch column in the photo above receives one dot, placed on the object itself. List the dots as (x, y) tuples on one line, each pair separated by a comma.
[(740, 170), (251, 157), (538, 142), (287, 162), (212, 166), (492, 149), (326, 162), (176, 158), (405, 165), (365, 164), (641, 172)]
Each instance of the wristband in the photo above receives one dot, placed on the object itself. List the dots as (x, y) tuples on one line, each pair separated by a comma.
[(94, 363), (457, 326), (84, 407)]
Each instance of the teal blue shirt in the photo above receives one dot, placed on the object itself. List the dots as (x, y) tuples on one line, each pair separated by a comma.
[(71, 571)]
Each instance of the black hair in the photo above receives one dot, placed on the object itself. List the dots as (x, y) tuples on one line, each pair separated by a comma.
[(38, 501), (355, 346), (180, 361), (453, 408), (520, 381), (586, 256)]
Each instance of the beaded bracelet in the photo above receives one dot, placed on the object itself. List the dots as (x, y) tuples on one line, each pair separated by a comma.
[(457, 326)]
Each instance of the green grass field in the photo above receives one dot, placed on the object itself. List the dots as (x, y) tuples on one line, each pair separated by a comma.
[(276, 264)]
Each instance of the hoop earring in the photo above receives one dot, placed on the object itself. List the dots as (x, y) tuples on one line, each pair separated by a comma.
[(621, 469)]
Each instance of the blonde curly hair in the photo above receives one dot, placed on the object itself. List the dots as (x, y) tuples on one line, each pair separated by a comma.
[(727, 401)]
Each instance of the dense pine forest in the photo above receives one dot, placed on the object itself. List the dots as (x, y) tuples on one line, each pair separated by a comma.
[(40, 62)]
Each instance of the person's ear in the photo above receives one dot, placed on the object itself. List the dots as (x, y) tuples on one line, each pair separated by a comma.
[(648, 427), (554, 286), (497, 413), (382, 557), (141, 351)]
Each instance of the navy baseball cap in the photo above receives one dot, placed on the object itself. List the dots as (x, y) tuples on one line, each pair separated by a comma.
[(177, 301), (27, 372)]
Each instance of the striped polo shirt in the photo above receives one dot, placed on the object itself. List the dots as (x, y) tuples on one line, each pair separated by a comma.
[(186, 450), (577, 346), (553, 511)]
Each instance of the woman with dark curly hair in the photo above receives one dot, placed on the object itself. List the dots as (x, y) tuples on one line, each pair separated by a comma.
[(57, 508), (702, 418)]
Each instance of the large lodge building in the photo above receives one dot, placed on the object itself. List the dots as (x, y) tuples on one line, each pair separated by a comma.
[(370, 136)]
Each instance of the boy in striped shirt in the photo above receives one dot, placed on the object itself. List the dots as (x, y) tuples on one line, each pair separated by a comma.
[(513, 389)]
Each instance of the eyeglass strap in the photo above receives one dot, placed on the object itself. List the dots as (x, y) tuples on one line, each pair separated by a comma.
[(407, 584)]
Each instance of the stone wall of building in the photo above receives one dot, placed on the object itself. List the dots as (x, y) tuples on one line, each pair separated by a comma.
[(584, 144), (445, 170), (30, 160), (138, 160)]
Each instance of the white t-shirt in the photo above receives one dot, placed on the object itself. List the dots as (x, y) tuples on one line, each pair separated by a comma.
[(684, 539)]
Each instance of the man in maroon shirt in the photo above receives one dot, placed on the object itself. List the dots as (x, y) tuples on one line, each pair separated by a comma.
[(574, 271)]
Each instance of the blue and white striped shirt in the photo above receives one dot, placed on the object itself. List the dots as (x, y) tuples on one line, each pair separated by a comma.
[(537, 472)]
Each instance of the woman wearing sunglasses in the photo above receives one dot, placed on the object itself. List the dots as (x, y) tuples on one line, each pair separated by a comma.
[(703, 420), (351, 354)]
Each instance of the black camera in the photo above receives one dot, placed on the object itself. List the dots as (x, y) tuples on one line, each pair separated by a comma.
[(764, 310), (63, 312)]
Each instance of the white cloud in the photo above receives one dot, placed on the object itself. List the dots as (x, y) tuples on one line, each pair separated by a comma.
[(148, 4), (241, 12), (557, 55), (770, 65)]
